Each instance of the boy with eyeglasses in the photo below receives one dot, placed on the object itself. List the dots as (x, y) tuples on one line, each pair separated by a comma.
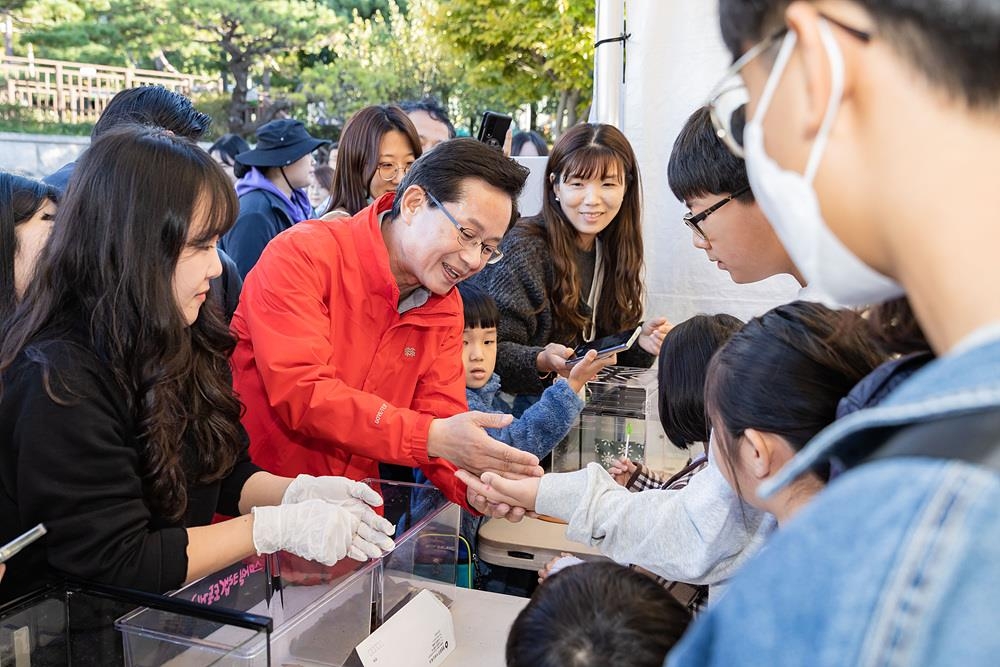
[(873, 147), (724, 218)]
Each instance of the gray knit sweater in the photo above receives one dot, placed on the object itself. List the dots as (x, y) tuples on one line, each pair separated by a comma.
[(520, 285)]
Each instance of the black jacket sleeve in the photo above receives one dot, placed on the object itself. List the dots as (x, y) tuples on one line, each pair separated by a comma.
[(232, 485), (74, 465)]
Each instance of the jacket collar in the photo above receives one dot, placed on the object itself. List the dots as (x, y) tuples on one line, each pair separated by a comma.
[(367, 231), (487, 392), (951, 385)]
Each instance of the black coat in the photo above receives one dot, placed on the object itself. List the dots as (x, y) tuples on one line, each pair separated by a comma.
[(76, 467), (262, 217)]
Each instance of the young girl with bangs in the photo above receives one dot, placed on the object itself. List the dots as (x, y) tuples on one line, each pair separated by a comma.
[(574, 273), (119, 429)]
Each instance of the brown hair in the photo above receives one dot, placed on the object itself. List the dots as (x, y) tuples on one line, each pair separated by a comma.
[(585, 151), (357, 154), (324, 176)]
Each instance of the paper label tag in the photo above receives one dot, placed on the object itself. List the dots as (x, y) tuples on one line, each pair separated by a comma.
[(421, 634)]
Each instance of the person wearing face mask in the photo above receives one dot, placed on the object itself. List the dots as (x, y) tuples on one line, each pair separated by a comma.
[(724, 218), (573, 273), (862, 114), (271, 185)]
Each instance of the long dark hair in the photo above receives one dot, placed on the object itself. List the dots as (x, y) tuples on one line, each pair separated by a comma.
[(20, 198), (585, 151), (784, 373), (109, 272), (684, 357), (357, 154)]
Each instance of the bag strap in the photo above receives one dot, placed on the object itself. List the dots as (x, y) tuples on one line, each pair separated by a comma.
[(973, 438)]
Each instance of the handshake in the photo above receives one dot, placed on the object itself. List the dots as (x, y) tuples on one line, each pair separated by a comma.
[(324, 519)]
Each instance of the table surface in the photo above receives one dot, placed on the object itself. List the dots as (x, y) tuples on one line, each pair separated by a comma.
[(482, 622), (528, 544)]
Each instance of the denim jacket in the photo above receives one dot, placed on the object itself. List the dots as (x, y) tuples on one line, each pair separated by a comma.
[(897, 562)]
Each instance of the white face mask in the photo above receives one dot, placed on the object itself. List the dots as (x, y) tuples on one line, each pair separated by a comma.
[(833, 273)]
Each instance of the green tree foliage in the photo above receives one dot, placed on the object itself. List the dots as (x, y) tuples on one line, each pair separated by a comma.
[(233, 38), (387, 58), (516, 53), (366, 9), (336, 56)]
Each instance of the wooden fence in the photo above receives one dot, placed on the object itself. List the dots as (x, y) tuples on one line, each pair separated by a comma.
[(69, 92)]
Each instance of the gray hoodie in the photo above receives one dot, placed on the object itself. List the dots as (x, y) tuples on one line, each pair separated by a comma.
[(700, 534)]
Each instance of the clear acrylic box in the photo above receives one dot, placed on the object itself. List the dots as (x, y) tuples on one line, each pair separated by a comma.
[(73, 623), (319, 613), (622, 405)]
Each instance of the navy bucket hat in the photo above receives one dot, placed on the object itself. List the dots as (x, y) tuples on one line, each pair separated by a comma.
[(280, 143)]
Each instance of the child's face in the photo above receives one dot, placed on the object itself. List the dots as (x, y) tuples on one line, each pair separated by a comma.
[(479, 355)]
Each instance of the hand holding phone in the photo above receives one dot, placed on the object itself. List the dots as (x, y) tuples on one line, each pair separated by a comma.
[(13, 547), (493, 129), (606, 346)]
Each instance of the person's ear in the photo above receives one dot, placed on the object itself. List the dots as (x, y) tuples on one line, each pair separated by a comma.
[(814, 63), (756, 454), (411, 200), (553, 185)]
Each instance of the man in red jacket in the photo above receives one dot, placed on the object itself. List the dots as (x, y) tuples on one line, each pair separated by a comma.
[(350, 331)]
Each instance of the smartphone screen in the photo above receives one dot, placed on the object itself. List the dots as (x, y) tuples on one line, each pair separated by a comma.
[(606, 346), (493, 129), (12, 548)]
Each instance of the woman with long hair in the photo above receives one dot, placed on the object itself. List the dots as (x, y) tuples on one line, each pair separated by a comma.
[(27, 208), (118, 424), (377, 148), (574, 273)]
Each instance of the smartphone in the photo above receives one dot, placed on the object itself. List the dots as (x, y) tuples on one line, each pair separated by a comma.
[(12, 548), (606, 346), (493, 129)]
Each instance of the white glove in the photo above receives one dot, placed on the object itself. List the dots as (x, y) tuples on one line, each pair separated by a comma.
[(307, 487), (321, 531)]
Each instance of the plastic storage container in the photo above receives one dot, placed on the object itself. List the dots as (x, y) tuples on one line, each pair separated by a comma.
[(622, 404), (319, 613), (73, 624)]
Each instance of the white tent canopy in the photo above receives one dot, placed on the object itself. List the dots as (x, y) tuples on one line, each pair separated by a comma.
[(672, 58)]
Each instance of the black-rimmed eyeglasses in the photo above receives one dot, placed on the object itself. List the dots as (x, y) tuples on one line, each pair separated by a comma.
[(692, 220), (468, 238)]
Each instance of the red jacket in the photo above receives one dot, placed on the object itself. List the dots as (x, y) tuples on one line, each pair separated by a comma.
[(334, 379)]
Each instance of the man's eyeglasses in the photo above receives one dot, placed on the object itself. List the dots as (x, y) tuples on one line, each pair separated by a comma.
[(468, 238), (387, 172), (727, 101), (692, 220)]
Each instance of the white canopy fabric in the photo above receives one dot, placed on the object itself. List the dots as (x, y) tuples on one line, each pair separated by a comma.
[(672, 59)]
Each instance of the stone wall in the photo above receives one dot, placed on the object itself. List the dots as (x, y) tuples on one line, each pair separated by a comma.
[(38, 154)]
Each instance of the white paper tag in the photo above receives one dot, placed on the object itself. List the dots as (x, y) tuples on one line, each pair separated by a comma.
[(421, 634)]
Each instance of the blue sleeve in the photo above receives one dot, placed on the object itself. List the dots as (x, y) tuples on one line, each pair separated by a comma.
[(545, 423)]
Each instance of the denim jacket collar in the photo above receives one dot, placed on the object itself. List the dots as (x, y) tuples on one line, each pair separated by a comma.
[(951, 385)]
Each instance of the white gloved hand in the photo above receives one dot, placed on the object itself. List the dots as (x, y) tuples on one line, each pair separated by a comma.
[(321, 531), (307, 487)]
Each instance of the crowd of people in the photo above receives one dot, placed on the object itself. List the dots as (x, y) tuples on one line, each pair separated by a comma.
[(199, 363)]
